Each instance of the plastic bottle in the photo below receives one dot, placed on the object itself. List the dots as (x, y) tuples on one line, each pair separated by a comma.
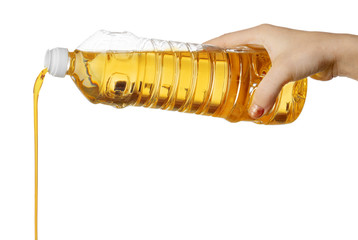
[(120, 69)]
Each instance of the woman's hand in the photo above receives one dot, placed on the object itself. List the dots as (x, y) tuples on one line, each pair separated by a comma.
[(295, 55)]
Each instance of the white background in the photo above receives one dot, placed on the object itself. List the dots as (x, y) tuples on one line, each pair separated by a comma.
[(149, 174)]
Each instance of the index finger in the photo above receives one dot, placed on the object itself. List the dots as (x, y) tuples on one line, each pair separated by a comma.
[(248, 36)]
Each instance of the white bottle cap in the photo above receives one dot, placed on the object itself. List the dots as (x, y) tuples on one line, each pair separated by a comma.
[(56, 61)]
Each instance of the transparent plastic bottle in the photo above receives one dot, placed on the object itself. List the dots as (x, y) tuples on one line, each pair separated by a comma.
[(120, 69)]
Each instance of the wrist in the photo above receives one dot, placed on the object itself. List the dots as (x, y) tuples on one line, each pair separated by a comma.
[(346, 54)]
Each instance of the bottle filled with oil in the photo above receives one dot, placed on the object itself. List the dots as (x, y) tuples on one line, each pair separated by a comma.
[(120, 69)]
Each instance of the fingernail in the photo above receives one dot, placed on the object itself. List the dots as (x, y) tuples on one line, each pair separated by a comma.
[(256, 111)]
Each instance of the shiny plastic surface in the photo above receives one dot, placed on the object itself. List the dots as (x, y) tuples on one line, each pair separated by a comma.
[(193, 78)]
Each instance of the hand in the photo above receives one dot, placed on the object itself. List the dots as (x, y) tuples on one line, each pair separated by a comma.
[(294, 55)]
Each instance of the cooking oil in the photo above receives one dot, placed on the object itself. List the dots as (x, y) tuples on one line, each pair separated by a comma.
[(213, 82), (176, 76), (37, 87)]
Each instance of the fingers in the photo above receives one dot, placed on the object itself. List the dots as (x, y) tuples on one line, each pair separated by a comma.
[(247, 36), (268, 90)]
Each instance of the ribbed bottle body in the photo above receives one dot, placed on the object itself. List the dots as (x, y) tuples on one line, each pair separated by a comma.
[(184, 77)]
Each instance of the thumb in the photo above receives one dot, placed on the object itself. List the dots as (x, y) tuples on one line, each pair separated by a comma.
[(268, 90)]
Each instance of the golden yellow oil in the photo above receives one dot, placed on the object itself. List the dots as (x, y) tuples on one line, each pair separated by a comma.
[(216, 82), (37, 87)]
